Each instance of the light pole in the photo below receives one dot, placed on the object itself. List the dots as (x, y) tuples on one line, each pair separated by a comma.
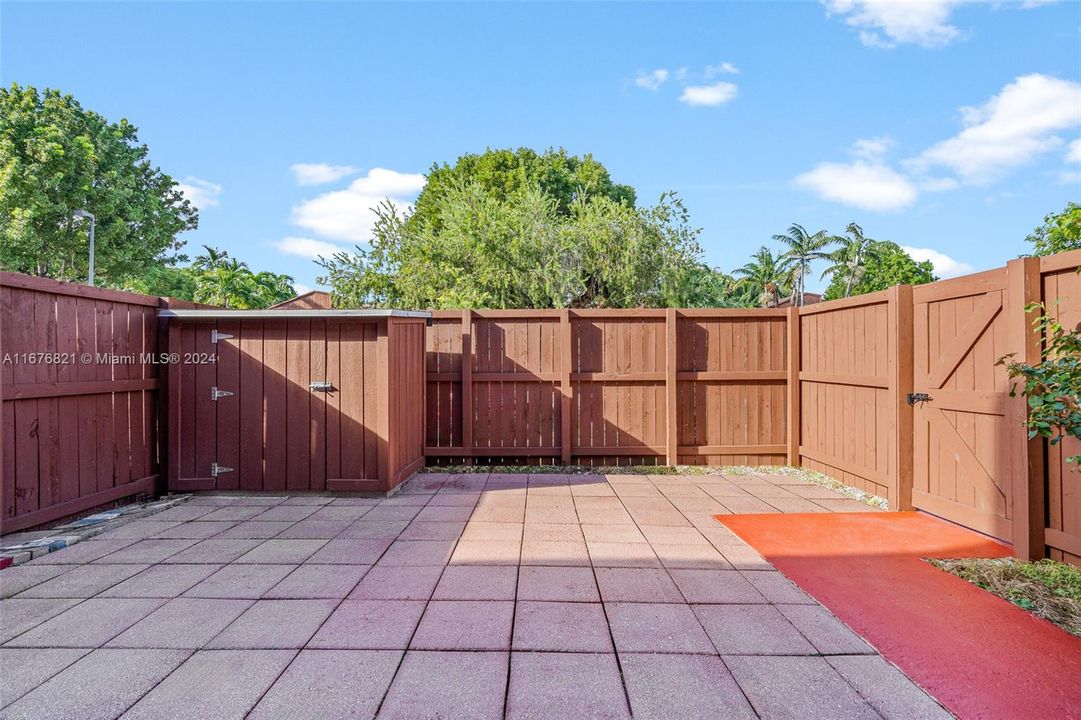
[(89, 216)]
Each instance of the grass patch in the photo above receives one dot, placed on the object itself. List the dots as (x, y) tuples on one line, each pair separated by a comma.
[(1047, 588)]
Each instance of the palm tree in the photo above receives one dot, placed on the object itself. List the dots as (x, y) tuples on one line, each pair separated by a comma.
[(212, 259), (803, 249), (765, 273), (848, 260)]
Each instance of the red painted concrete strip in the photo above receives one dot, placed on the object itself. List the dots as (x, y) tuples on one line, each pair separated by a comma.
[(981, 656)]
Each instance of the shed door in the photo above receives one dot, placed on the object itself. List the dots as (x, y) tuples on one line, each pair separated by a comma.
[(962, 468)]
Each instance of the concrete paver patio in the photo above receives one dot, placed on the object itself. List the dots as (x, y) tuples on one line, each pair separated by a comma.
[(463, 596)]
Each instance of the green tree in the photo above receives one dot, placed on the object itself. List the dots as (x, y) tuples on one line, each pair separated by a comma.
[(885, 265), (481, 249), (163, 280), (1060, 232), (766, 276), (57, 157), (849, 260), (803, 248)]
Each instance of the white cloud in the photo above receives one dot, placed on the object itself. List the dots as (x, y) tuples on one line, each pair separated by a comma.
[(301, 288), (651, 80), (866, 185), (723, 68), (306, 247), (944, 265), (1009, 130), (320, 173), (200, 193), (708, 95), (347, 214), (872, 148), (887, 23), (1073, 152)]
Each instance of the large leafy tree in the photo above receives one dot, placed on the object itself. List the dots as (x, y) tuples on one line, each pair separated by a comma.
[(802, 249), (766, 276), (516, 237), (849, 261), (885, 265), (1060, 232), (57, 157)]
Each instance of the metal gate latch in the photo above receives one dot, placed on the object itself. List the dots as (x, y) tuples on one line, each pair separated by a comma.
[(914, 398), (216, 469), (321, 385), (215, 393), (215, 336)]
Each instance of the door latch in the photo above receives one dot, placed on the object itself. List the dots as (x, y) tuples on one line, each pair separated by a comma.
[(914, 398), (321, 385), (215, 393), (216, 469)]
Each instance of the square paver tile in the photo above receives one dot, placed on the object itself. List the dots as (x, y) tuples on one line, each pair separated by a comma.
[(486, 552), (309, 500), (465, 625), (351, 552), (443, 513), (434, 530), (613, 533), (214, 551), (698, 556), (668, 535), (83, 552), (233, 513), (99, 686), (161, 581), (887, 689), (545, 532), (641, 585), (21, 615), (829, 635), (562, 685), (256, 529), (339, 512), (314, 529), (751, 630), (183, 512), (561, 627), (492, 531), (148, 552), (418, 553), (448, 686), (683, 687), (275, 624), (366, 528), (83, 581), (285, 512), (282, 551), (138, 529), (241, 581), (606, 554), (219, 684), (23, 669), (89, 624), (182, 623), (555, 552), (330, 684), (319, 581), (370, 625), (796, 688), (397, 583), (716, 586), (776, 588), (656, 627), (568, 584), (477, 582), (197, 530), (384, 512), (14, 580)]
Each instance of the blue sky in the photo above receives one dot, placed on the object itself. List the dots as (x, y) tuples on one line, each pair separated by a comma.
[(947, 126)]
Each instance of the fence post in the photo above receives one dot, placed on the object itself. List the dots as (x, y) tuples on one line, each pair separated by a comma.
[(670, 386), (467, 385), (793, 389), (899, 319), (1022, 288), (566, 355)]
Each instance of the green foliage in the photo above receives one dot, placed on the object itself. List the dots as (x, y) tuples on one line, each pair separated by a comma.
[(1053, 387), (1060, 232), (164, 281), (226, 282), (803, 248), (850, 259), (506, 241), (883, 265), (57, 157), (765, 279)]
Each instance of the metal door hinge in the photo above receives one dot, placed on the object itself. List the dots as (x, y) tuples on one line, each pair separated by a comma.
[(216, 469), (215, 393), (914, 398), (215, 336), (321, 385)]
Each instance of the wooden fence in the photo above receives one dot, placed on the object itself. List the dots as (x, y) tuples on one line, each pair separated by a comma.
[(609, 387), (80, 415)]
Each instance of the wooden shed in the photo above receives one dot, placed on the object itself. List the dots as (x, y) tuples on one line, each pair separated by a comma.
[(294, 400)]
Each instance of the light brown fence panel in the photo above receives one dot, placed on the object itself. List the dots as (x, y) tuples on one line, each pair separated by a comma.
[(846, 404), (79, 398), (1062, 296), (732, 372), (405, 393)]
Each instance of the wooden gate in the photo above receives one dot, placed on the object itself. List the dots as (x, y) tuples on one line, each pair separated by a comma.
[(963, 470)]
